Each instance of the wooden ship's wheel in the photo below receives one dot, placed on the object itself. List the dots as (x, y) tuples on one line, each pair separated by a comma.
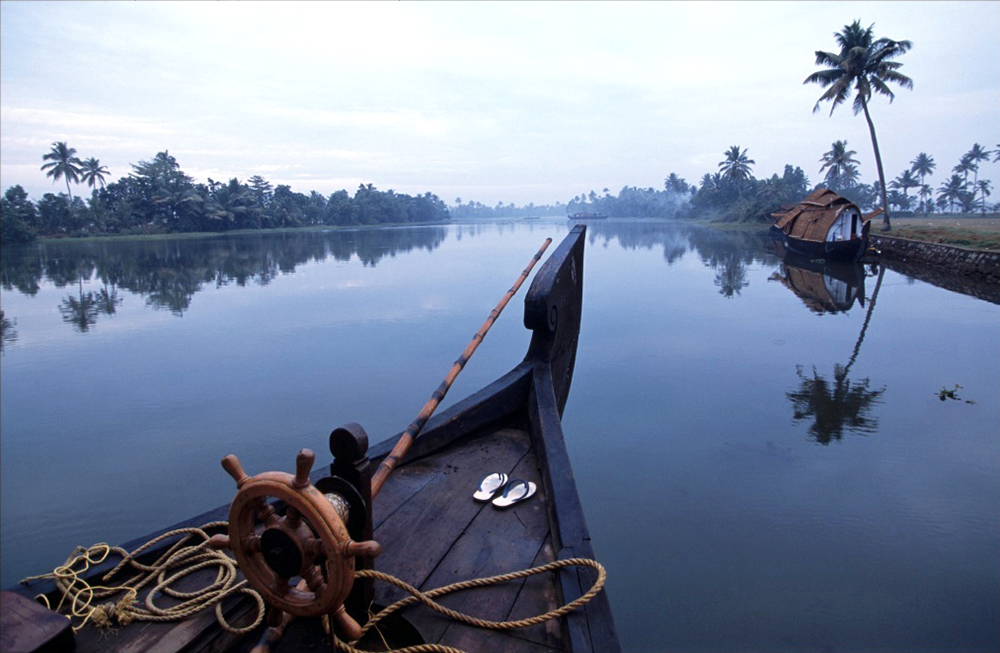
[(301, 561)]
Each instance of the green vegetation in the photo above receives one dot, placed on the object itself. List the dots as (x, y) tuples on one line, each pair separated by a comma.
[(158, 197)]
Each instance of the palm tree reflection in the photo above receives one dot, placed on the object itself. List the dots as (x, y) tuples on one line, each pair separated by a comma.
[(80, 311), (839, 405), (834, 407)]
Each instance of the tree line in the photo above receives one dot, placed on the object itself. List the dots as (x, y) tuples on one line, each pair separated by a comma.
[(159, 197)]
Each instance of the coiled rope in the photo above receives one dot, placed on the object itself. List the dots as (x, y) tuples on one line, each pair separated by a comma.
[(183, 558), (427, 598)]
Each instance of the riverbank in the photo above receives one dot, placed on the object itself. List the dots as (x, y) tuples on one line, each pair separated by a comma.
[(968, 230)]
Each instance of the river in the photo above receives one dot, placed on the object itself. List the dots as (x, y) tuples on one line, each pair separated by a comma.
[(772, 455)]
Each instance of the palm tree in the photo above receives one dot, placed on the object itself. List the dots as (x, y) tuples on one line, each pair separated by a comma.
[(976, 155), (964, 167), (983, 186), (951, 191), (926, 195), (92, 172), (62, 162), (905, 182), (841, 168), (864, 63), (922, 165), (736, 167)]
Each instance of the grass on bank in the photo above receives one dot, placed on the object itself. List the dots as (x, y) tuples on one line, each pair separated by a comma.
[(972, 231)]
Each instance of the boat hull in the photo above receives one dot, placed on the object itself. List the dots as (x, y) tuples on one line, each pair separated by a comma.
[(840, 250)]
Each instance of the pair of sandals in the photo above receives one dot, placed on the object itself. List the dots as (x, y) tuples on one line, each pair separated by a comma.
[(513, 491)]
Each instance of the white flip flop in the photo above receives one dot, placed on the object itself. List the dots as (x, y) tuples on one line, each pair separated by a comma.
[(489, 486), (515, 492)]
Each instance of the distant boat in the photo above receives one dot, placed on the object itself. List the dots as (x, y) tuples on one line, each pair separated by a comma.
[(825, 225), (588, 215)]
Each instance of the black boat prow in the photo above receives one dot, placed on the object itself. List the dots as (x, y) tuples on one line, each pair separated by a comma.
[(432, 532)]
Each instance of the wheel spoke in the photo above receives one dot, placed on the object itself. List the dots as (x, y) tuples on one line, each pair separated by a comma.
[(265, 512), (292, 517), (314, 579)]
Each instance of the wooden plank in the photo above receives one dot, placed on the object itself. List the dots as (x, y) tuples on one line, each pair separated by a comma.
[(418, 535), (538, 595), (496, 542), (29, 627)]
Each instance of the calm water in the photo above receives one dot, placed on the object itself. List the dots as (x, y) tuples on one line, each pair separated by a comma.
[(761, 450)]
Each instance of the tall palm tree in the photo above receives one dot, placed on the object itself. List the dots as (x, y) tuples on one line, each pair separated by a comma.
[(864, 63), (841, 168), (922, 165), (736, 167), (92, 172), (62, 162)]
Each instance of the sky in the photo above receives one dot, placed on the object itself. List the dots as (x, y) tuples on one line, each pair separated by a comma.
[(487, 101)]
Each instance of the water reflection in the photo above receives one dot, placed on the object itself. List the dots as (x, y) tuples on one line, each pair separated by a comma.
[(7, 331), (834, 407), (840, 405), (168, 273), (824, 287), (727, 252)]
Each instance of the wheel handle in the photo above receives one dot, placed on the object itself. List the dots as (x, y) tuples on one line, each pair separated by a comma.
[(302, 562)]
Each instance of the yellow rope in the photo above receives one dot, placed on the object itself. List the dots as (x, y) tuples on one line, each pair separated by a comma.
[(180, 560), (427, 598)]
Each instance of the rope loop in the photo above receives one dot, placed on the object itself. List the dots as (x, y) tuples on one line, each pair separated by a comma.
[(427, 598), (188, 555)]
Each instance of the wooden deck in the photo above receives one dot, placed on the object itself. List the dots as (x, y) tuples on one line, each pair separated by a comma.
[(433, 498)]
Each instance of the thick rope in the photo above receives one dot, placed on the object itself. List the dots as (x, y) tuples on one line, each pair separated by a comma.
[(180, 560), (427, 598)]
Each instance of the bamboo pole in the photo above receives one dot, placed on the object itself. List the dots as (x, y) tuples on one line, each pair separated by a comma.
[(405, 440)]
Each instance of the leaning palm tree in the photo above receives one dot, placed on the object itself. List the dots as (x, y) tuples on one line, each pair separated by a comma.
[(736, 167), (62, 162), (840, 165), (92, 172), (863, 63), (922, 165)]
